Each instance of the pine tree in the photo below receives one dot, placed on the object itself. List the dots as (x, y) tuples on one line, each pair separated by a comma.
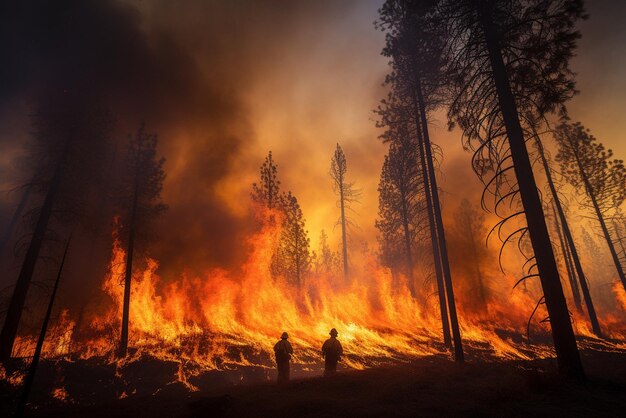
[(267, 191), (589, 166), (347, 195), (292, 259), (141, 198)]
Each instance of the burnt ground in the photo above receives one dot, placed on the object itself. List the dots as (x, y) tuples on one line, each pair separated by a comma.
[(430, 386)]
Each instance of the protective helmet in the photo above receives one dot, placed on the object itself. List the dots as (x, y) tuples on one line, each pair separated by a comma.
[(333, 332), (284, 336)]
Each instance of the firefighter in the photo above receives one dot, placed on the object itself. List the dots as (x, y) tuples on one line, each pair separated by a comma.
[(332, 351), (283, 352)]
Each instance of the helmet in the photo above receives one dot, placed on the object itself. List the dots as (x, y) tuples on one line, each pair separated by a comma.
[(284, 336), (333, 332)]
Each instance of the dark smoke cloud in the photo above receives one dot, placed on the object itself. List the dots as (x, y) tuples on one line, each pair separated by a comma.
[(180, 67)]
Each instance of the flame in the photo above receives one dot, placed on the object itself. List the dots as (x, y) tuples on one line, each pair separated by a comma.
[(620, 294), (224, 320)]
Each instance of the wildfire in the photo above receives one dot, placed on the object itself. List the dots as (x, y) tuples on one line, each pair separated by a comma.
[(223, 321)]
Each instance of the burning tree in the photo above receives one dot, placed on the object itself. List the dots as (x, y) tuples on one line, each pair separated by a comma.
[(589, 166), (347, 195), (292, 259), (400, 206), (326, 260), (70, 146), (141, 203)]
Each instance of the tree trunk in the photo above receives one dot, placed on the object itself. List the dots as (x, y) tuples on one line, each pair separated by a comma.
[(571, 246), (407, 244), (568, 357), (123, 349), (32, 369), (568, 262), (443, 248), (14, 313), (605, 230), (344, 240), (443, 305)]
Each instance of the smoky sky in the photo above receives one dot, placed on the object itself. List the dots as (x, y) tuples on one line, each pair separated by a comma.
[(215, 80), (181, 68)]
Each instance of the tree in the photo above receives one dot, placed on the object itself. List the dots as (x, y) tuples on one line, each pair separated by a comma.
[(589, 166), (471, 229), (327, 261), (267, 191), (504, 61), (400, 207), (412, 44), (292, 259), (70, 145), (141, 200), (568, 247), (347, 195)]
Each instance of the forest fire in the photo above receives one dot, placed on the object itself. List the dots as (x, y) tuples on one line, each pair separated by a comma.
[(221, 322), (197, 215)]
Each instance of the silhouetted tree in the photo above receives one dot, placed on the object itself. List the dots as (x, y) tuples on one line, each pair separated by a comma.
[(400, 207), (347, 195), (292, 259), (568, 248), (412, 43), (504, 61), (141, 200), (70, 146), (267, 191), (32, 369), (589, 166)]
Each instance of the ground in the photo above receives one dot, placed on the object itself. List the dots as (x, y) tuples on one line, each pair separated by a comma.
[(430, 386)]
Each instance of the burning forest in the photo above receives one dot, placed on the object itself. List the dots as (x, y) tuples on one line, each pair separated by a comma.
[(183, 184)]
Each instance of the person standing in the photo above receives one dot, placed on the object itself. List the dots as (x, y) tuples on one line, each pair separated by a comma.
[(332, 351), (283, 352)]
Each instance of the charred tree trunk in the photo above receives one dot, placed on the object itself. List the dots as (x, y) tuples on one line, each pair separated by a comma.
[(568, 263), (443, 305), (32, 369), (568, 357), (14, 313), (441, 236), (407, 243), (344, 240), (123, 349), (570, 245)]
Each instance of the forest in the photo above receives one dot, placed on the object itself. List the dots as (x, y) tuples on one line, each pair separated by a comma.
[(438, 184)]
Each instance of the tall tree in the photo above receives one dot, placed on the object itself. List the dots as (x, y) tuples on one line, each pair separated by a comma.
[(413, 46), (347, 195), (400, 207), (589, 166), (141, 200), (267, 191), (503, 60), (292, 259), (470, 227), (70, 145), (570, 252)]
